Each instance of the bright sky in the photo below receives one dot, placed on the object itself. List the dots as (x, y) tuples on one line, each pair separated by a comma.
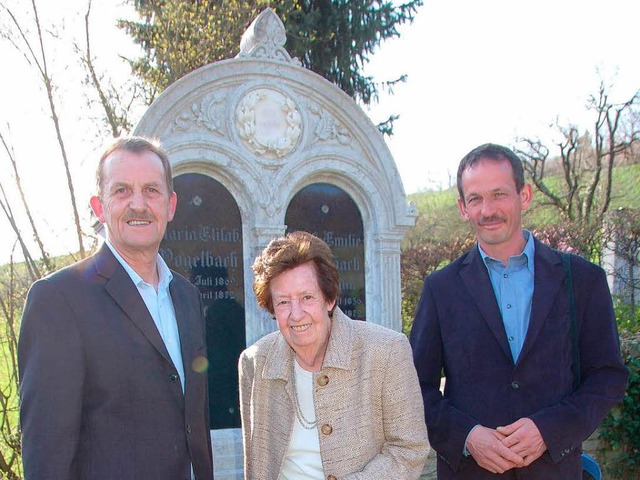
[(489, 71), (478, 71)]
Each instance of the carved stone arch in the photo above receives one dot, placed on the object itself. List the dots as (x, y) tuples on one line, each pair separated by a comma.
[(345, 174), (226, 166)]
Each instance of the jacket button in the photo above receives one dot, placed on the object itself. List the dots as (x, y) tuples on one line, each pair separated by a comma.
[(332, 477), (515, 385), (173, 378), (326, 429), (189, 429), (323, 380)]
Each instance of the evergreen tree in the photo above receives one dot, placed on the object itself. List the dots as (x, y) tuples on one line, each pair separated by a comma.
[(333, 38)]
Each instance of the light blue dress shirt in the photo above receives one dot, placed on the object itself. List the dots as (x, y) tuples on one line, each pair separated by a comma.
[(513, 287), (160, 307)]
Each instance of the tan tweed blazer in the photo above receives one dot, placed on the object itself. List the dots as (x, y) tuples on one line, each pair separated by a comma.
[(368, 405)]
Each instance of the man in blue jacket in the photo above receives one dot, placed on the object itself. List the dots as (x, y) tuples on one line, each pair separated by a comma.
[(497, 323)]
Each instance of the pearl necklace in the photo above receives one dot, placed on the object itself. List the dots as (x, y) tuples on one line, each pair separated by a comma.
[(306, 424)]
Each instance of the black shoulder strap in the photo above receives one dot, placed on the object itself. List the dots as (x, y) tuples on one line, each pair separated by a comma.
[(575, 353)]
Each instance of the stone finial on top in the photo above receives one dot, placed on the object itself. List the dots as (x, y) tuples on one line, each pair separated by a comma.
[(265, 39)]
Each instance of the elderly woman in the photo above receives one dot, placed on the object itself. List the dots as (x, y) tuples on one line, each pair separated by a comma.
[(325, 397)]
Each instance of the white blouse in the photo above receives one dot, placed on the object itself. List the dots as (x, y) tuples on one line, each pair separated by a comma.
[(302, 459)]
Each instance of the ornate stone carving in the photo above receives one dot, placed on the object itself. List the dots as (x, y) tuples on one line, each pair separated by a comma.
[(265, 39), (272, 206), (207, 115), (327, 127), (268, 122)]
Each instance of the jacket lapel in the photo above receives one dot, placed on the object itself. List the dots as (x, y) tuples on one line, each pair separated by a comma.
[(549, 275), (279, 362), (278, 366), (476, 279), (182, 317), (340, 346), (185, 330), (126, 295), (186, 325)]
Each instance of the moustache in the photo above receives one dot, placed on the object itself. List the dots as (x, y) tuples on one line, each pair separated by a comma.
[(493, 219), (141, 216)]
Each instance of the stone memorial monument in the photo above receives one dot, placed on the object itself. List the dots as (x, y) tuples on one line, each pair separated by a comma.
[(261, 146)]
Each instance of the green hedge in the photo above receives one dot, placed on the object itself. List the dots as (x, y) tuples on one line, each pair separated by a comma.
[(620, 430)]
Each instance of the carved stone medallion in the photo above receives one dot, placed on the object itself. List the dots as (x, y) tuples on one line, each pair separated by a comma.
[(268, 122)]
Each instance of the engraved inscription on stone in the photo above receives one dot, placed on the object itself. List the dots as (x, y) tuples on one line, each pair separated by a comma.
[(268, 122), (204, 244), (331, 214)]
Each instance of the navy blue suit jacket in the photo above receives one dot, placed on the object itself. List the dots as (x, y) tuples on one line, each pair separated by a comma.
[(100, 396), (458, 330)]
